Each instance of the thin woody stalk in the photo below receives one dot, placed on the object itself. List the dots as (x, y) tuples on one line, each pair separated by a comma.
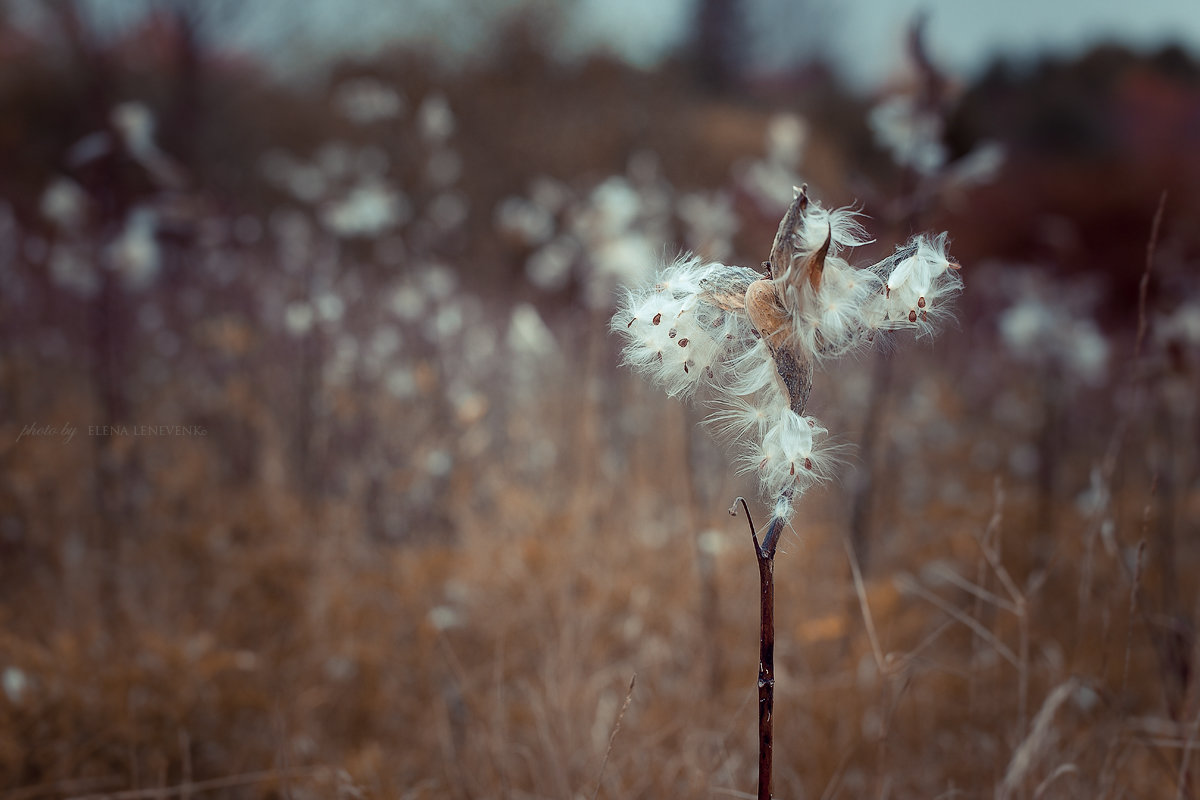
[(764, 553), (770, 317)]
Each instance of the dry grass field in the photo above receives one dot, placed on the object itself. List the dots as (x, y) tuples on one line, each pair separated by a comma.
[(319, 476)]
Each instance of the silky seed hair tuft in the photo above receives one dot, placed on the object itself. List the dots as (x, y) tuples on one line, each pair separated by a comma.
[(750, 340)]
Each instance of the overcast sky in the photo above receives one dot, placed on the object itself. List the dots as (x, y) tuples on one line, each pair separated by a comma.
[(964, 34), (865, 37)]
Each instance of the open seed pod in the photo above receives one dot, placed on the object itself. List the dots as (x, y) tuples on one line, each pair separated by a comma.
[(788, 266)]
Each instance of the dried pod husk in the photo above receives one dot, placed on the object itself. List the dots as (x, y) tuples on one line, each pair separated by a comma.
[(767, 314), (773, 323)]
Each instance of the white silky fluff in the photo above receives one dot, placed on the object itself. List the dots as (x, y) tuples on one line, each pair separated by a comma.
[(678, 336), (840, 225), (787, 452), (906, 291), (919, 285), (674, 338)]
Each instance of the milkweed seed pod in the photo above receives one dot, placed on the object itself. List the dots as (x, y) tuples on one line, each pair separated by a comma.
[(751, 339)]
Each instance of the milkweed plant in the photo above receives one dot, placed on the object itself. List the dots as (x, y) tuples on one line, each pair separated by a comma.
[(750, 340)]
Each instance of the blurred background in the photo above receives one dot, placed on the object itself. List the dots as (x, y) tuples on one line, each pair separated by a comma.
[(319, 476)]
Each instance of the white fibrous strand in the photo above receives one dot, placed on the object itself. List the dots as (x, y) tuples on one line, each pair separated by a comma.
[(918, 281), (686, 331), (749, 340), (677, 335), (908, 290)]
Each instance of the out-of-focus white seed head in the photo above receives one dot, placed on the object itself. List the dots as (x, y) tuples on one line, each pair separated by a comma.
[(71, 268), (64, 203), (786, 137), (299, 318), (1051, 336), (329, 307), (134, 255), (525, 221), (15, 683), (528, 336), (616, 262), (408, 303), (910, 133), (369, 209), (439, 281), (550, 267), (1182, 326), (711, 223), (134, 123), (435, 119), (367, 100)]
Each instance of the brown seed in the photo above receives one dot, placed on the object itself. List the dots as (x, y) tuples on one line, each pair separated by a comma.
[(763, 464), (708, 371), (792, 471), (920, 302), (657, 318), (683, 342), (924, 316), (630, 325), (912, 315), (808, 463), (685, 368)]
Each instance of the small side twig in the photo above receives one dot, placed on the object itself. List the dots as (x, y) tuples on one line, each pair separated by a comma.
[(230, 782), (1133, 610), (1028, 753), (861, 590), (907, 583), (612, 737), (1144, 283)]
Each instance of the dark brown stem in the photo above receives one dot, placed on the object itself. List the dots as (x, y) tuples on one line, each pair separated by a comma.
[(766, 664), (764, 553)]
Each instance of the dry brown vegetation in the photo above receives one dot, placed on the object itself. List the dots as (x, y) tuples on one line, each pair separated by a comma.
[(331, 588)]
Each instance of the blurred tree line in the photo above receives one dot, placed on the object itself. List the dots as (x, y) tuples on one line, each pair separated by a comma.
[(1091, 142)]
